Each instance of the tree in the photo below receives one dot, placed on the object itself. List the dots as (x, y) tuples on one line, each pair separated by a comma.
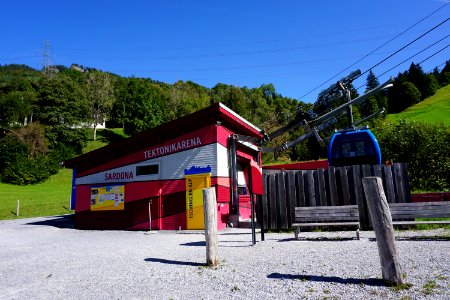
[(16, 108), (425, 83), (372, 81), (17, 95), (376, 102), (143, 105), (402, 95), (444, 76), (61, 101), (24, 157), (33, 136), (231, 96), (100, 95), (185, 98)]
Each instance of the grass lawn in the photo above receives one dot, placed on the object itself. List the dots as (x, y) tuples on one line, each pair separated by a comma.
[(44, 199), (433, 109), (51, 197)]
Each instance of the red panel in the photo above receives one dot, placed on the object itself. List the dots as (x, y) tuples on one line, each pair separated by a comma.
[(223, 194), (83, 198), (223, 181), (141, 190), (223, 135), (174, 222), (169, 215), (430, 197), (257, 181), (173, 186), (306, 165), (207, 136), (223, 212), (135, 216), (101, 220)]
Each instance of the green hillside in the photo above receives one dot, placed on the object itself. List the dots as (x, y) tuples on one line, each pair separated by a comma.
[(433, 109), (53, 195), (44, 199)]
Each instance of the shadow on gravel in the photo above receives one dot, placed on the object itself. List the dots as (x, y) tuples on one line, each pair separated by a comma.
[(333, 279), (64, 221), (194, 244), (235, 233), (174, 262), (434, 238), (319, 239), (221, 244)]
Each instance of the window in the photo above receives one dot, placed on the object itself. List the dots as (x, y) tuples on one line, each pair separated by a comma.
[(147, 170), (242, 183)]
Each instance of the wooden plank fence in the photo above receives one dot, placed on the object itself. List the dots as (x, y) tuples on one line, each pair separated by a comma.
[(285, 190)]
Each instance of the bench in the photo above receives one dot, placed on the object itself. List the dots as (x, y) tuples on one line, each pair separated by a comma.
[(315, 216), (403, 213)]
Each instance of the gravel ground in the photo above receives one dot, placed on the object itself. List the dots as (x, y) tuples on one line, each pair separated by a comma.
[(43, 258)]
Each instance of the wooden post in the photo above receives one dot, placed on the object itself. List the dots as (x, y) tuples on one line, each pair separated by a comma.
[(384, 232), (210, 213), (150, 215), (252, 214), (18, 208), (261, 212)]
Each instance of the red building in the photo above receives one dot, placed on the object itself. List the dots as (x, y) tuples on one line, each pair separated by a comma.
[(158, 175)]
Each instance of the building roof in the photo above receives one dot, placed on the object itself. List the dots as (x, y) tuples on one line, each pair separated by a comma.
[(210, 115)]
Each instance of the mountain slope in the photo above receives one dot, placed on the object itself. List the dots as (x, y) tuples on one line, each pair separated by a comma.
[(433, 109)]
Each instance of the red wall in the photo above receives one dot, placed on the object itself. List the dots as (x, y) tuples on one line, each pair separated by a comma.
[(168, 208)]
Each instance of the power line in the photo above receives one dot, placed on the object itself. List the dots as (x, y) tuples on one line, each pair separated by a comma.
[(435, 53), (257, 52), (16, 58), (402, 48), (248, 66), (416, 55), (235, 44), (370, 53)]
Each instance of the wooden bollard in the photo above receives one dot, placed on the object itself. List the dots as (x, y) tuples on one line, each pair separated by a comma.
[(210, 212), (384, 231)]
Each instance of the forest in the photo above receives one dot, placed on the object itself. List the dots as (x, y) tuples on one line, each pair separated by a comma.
[(47, 116)]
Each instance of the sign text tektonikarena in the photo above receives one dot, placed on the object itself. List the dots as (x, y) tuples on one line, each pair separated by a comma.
[(172, 148)]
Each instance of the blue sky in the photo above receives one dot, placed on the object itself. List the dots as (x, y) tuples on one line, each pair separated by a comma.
[(299, 46)]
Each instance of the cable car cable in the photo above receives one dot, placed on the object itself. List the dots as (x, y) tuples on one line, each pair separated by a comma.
[(370, 53)]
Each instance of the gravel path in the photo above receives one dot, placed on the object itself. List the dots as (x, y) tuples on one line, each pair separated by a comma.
[(43, 258)]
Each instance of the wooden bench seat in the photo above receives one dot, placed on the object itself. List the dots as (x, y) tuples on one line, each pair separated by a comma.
[(405, 213), (346, 215)]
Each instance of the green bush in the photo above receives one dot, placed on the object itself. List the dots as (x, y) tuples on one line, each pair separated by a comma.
[(18, 167), (19, 164), (26, 170), (425, 147), (68, 142)]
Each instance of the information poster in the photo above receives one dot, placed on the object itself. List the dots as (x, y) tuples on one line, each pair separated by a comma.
[(196, 180), (108, 198)]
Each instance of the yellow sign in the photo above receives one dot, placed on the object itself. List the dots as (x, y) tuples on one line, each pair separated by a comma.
[(108, 198), (194, 199)]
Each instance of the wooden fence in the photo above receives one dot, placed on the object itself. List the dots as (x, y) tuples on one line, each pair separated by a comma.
[(285, 190)]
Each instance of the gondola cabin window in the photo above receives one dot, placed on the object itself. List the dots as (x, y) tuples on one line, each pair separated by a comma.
[(355, 147)]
